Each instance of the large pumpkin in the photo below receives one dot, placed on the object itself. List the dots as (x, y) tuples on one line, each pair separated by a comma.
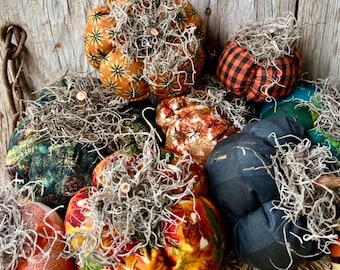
[(145, 47), (239, 174), (197, 240), (60, 140)]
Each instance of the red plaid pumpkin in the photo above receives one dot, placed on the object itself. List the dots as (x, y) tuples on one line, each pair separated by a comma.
[(243, 77)]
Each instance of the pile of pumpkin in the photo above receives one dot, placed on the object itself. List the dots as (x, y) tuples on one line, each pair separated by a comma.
[(168, 174)]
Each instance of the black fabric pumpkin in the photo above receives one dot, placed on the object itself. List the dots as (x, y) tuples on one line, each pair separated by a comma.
[(245, 191)]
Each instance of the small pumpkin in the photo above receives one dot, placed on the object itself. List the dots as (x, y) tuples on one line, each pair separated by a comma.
[(159, 47), (245, 191), (197, 240), (191, 127), (259, 63), (303, 106)]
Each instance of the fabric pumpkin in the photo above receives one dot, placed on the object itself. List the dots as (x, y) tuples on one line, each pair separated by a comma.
[(190, 127), (295, 107), (144, 186), (64, 164), (245, 192), (62, 168), (261, 62), (197, 241), (165, 57), (130, 153), (243, 77)]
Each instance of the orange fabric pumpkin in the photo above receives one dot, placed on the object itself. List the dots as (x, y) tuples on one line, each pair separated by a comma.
[(242, 77), (49, 227), (146, 73), (97, 40), (191, 127)]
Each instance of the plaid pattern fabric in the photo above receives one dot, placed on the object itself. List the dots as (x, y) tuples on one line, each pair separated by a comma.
[(239, 74)]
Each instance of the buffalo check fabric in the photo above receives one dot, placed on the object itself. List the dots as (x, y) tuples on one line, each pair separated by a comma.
[(242, 77)]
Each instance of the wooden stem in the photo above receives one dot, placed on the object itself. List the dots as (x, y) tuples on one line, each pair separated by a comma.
[(328, 181)]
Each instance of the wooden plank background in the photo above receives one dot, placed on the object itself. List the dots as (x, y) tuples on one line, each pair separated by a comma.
[(55, 29)]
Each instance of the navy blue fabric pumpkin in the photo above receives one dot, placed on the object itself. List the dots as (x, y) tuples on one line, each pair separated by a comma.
[(245, 191)]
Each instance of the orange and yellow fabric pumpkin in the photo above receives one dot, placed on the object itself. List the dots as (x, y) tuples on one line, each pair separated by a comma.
[(166, 53)]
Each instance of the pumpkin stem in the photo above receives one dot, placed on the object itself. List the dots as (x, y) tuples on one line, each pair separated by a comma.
[(328, 181), (81, 99), (125, 188), (154, 32)]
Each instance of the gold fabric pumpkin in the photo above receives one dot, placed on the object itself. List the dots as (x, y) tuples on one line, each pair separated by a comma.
[(96, 39), (123, 77), (161, 41)]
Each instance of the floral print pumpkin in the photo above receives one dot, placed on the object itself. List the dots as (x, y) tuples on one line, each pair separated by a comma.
[(191, 127), (197, 241)]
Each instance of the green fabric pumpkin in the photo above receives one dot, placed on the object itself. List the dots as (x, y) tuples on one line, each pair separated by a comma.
[(62, 168), (64, 163)]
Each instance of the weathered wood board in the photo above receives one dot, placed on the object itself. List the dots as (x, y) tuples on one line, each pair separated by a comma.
[(54, 44)]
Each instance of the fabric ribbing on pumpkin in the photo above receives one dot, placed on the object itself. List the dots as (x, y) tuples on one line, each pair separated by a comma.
[(245, 191), (158, 34), (261, 62)]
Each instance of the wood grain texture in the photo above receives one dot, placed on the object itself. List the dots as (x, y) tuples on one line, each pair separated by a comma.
[(55, 38), (53, 47), (228, 17), (320, 37)]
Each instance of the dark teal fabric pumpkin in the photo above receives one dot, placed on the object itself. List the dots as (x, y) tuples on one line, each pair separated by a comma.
[(245, 191), (292, 107)]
